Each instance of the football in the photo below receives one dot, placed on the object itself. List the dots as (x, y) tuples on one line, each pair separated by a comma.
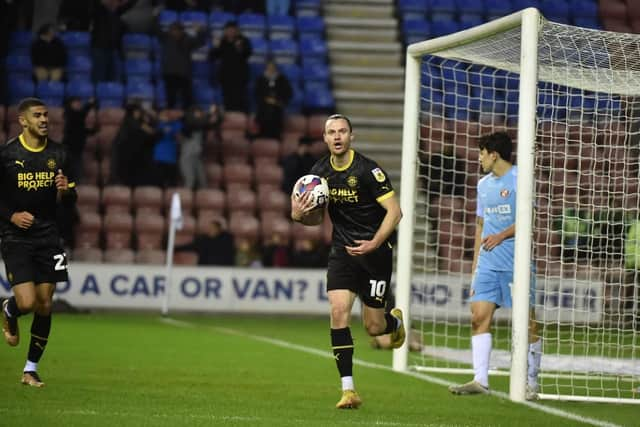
[(317, 186)]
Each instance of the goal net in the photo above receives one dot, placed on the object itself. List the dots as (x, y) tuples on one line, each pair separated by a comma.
[(573, 112)]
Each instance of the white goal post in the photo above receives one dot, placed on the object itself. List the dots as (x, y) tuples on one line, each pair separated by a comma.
[(570, 99)]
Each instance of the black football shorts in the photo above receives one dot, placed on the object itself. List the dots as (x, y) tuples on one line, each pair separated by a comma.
[(38, 262), (368, 276)]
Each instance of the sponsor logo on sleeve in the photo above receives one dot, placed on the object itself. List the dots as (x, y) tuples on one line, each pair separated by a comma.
[(378, 175)]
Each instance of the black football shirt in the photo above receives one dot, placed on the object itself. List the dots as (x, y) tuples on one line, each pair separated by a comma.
[(355, 191), (27, 184)]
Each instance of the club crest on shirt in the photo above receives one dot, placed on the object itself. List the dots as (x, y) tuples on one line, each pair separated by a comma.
[(504, 193), (378, 175), (352, 181), (51, 164)]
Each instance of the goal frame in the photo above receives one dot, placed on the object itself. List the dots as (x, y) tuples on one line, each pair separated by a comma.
[(529, 20)]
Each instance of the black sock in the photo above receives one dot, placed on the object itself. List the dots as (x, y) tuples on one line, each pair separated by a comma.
[(392, 324), (40, 329), (342, 345), (12, 308)]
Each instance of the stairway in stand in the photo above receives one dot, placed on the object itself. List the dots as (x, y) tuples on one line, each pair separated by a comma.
[(366, 58)]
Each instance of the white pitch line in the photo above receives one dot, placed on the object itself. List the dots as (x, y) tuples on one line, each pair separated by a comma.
[(424, 377)]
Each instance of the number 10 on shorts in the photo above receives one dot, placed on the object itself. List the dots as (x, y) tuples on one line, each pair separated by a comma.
[(378, 288)]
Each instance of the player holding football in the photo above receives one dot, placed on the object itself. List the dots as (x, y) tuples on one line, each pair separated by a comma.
[(32, 189), (364, 212), (493, 263)]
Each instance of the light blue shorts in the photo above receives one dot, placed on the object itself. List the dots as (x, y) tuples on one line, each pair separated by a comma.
[(495, 286)]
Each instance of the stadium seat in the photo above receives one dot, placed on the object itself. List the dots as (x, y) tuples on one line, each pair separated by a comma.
[(51, 92), (307, 7), (273, 202), (275, 225), (82, 89), (185, 258), (18, 64), (151, 257), (284, 50), (242, 200), (252, 25), (136, 46), (20, 42), (259, 52), (79, 68), (265, 148), (213, 171), (415, 30), (243, 226), (138, 69), (237, 174), (116, 199), (556, 10), (149, 230), (209, 201), (443, 28), (299, 231), (89, 255), (470, 9), (88, 230), (318, 99), (443, 10), (413, 9), (20, 88), (193, 19), (105, 137), (281, 27), (88, 198), (78, 43), (140, 91), (119, 256), (218, 19), (315, 48), (292, 72), (310, 26), (117, 228), (269, 174), (235, 150), (166, 18), (147, 200), (110, 94), (236, 120), (110, 116)]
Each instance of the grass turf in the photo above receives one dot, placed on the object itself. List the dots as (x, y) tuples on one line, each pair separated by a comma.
[(136, 370)]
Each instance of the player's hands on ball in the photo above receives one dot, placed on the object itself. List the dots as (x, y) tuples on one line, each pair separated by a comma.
[(300, 206), (62, 183), (362, 247), (22, 219)]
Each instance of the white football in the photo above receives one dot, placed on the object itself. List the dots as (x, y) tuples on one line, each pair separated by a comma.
[(316, 185)]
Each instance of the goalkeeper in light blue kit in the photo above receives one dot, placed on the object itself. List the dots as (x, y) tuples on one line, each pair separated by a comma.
[(493, 263)]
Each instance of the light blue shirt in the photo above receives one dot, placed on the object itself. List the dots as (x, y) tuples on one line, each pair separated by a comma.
[(496, 205)]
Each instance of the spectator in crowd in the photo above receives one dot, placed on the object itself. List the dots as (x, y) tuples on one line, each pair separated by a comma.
[(76, 132), (297, 164), (232, 52), (273, 92), (275, 253), (196, 124), (165, 152), (132, 159), (48, 55), (309, 253), (214, 247), (177, 46), (247, 254), (278, 7), (444, 174), (106, 36)]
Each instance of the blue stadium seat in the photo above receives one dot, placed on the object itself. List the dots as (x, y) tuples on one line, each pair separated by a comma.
[(110, 94), (259, 50), (284, 50), (297, 98), (318, 100), (443, 28), (252, 24), (136, 46), (20, 42), (281, 27), (415, 30), (160, 95), (292, 72), (140, 90), (77, 42), (316, 86), (255, 70), (443, 10), (191, 19), (202, 70), (497, 8), (310, 26), (52, 93), (314, 47), (413, 9), (20, 88), (584, 8), (78, 67), (556, 10), (217, 20), (307, 7), (207, 96), (592, 23), (166, 18), (470, 22), (138, 69), (523, 4), (18, 63), (82, 89), (470, 9), (317, 73)]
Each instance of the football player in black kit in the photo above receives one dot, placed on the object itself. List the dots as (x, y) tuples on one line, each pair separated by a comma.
[(33, 187), (364, 212)]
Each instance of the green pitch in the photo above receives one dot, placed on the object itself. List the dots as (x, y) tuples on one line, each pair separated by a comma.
[(140, 370)]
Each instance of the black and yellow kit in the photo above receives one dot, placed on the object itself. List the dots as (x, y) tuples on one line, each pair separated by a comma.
[(355, 193), (27, 183)]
